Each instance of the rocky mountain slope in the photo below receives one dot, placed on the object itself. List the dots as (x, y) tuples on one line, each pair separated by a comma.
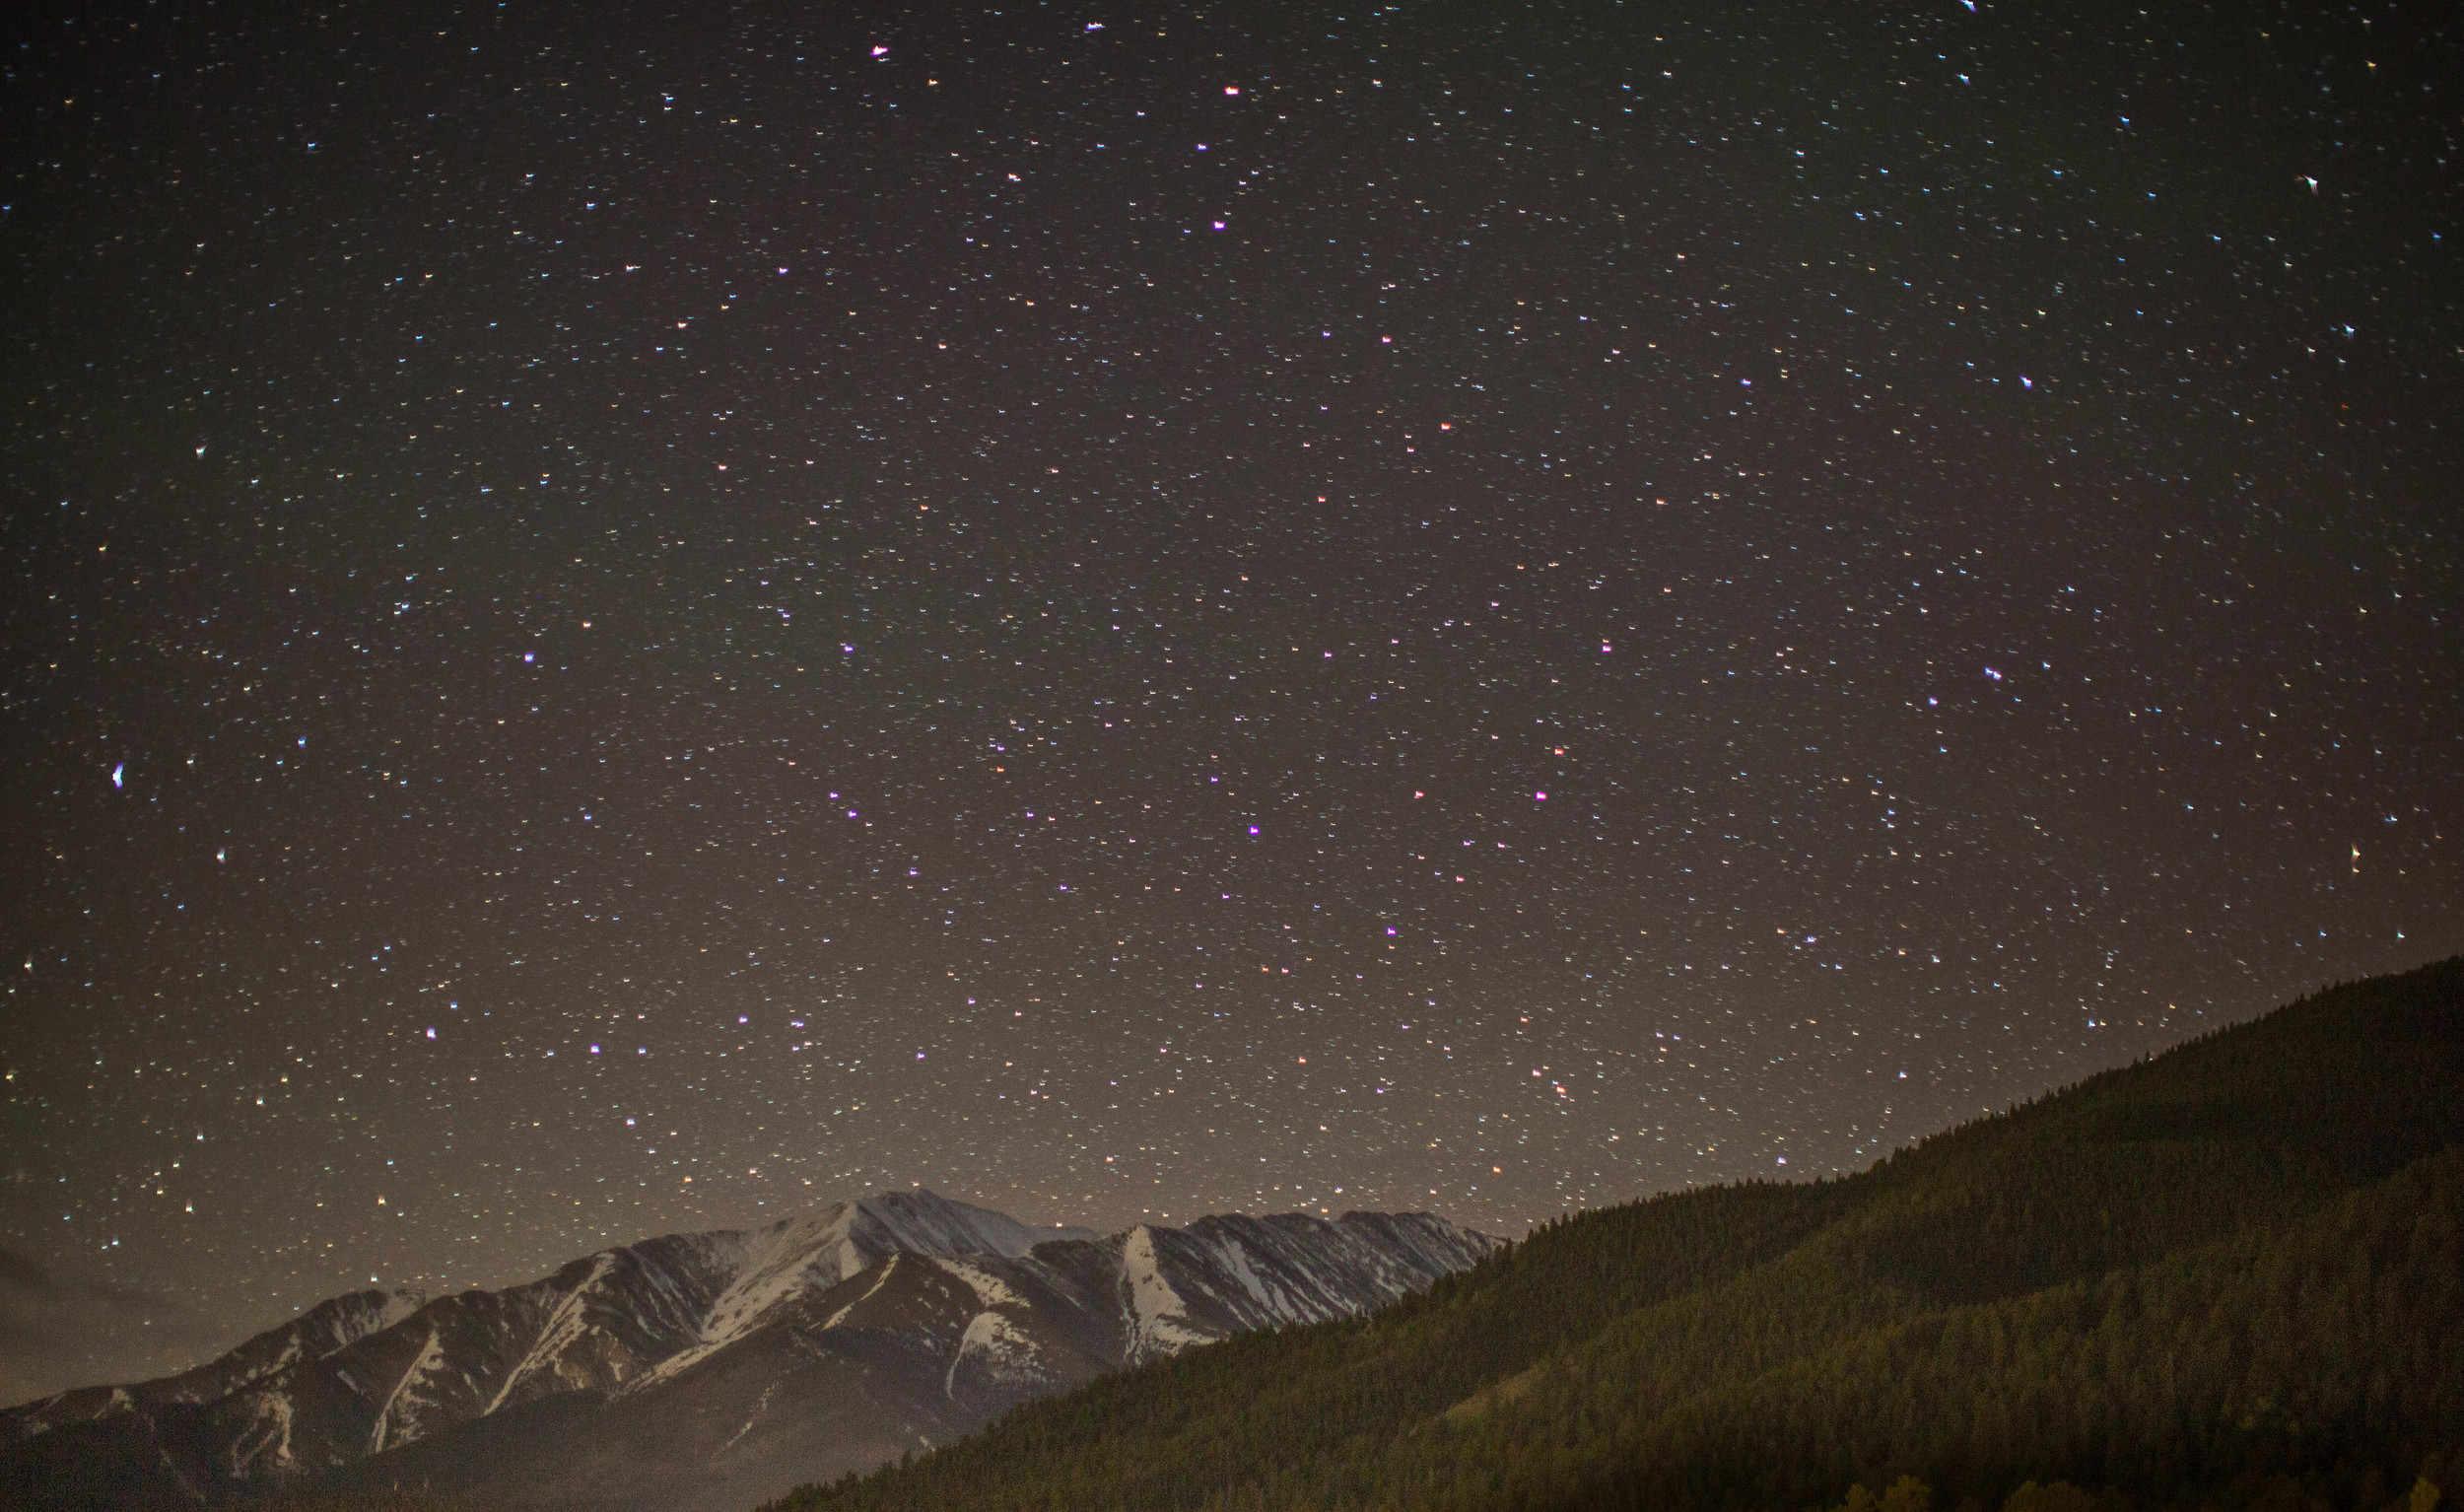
[(710, 1369)]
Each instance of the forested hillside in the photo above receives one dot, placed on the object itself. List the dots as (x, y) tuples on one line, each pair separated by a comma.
[(2231, 1275)]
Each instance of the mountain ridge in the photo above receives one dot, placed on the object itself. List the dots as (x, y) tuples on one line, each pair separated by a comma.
[(894, 1322)]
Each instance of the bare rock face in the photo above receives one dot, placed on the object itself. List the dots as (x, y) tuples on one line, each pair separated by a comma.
[(713, 1370)]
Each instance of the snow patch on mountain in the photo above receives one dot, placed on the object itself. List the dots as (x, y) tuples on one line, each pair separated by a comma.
[(889, 1267), (396, 1420), (1159, 1319), (997, 1347), (564, 1325), (990, 1290), (266, 1437)]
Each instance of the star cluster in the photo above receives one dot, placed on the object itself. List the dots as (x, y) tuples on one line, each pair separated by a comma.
[(626, 619)]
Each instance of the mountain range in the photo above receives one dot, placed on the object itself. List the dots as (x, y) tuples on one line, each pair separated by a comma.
[(709, 1370)]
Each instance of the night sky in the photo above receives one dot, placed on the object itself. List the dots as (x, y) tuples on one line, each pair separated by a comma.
[(623, 618)]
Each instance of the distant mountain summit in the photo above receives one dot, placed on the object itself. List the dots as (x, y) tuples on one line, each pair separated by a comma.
[(710, 1369)]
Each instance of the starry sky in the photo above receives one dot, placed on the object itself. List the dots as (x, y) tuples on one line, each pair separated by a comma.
[(623, 618)]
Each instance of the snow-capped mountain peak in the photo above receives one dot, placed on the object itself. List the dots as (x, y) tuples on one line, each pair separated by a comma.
[(831, 1339)]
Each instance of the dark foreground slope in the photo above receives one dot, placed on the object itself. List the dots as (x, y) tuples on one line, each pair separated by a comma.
[(2232, 1274)]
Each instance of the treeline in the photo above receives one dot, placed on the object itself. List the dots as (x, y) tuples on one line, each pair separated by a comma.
[(2230, 1276)]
